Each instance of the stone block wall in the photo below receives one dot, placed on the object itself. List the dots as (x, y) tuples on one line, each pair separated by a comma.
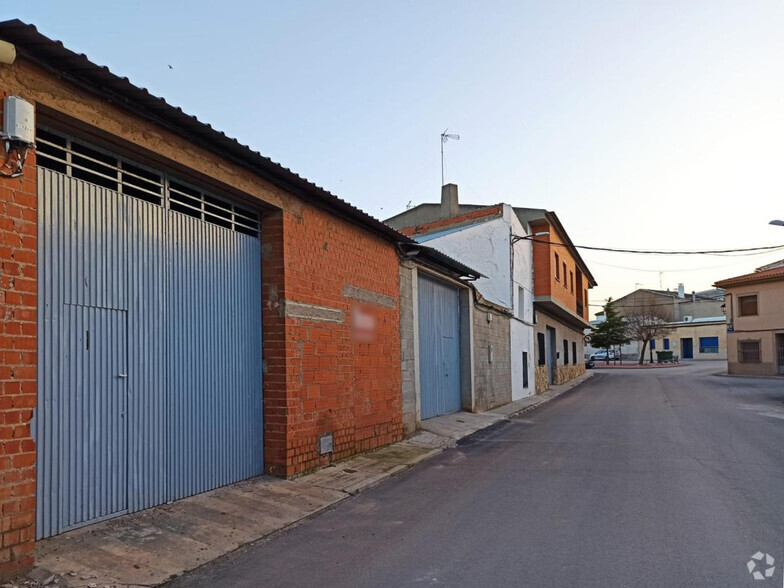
[(407, 347), (492, 358), (542, 381)]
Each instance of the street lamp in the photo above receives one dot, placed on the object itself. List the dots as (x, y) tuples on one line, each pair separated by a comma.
[(516, 238), (778, 223)]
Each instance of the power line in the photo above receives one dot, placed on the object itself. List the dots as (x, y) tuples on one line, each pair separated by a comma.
[(747, 250), (665, 271)]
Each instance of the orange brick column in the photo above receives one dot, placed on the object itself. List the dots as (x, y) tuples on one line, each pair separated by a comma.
[(319, 378), (273, 327), (18, 392)]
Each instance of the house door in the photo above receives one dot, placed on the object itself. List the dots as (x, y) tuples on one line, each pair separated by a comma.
[(687, 348), (94, 405), (552, 355), (780, 352)]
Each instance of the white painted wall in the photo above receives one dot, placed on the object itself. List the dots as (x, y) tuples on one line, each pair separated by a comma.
[(484, 247), (522, 328), (487, 247)]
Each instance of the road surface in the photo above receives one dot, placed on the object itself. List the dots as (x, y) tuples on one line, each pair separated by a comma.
[(658, 478)]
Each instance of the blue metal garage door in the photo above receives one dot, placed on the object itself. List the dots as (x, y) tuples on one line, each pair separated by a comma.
[(149, 339), (439, 347)]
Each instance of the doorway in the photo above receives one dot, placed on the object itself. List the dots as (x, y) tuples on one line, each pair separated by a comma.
[(687, 348), (552, 355)]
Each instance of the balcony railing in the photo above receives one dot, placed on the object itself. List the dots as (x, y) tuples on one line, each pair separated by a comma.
[(580, 308)]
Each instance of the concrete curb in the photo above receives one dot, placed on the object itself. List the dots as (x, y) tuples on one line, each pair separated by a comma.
[(748, 377)]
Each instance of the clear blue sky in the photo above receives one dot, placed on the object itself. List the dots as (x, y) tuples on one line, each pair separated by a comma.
[(649, 124)]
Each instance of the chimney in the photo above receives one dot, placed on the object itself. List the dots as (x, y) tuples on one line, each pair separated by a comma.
[(449, 205), (681, 291)]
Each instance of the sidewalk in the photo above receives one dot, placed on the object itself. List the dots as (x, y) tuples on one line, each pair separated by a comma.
[(150, 547)]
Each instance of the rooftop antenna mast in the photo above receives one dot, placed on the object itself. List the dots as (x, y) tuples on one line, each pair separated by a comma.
[(444, 138)]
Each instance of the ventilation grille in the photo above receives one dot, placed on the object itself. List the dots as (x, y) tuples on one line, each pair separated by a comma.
[(198, 204), (77, 159)]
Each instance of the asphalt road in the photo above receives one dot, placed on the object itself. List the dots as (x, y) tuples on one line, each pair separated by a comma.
[(640, 478)]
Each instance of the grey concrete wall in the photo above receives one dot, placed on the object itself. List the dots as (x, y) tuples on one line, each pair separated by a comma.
[(408, 347), (492, 357)]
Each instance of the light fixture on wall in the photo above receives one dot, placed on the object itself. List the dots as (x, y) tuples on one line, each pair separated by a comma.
[(7, 53), (516, 238)]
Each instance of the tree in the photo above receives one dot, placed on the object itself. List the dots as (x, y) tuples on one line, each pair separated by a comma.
[(645, 323), (610, 332)]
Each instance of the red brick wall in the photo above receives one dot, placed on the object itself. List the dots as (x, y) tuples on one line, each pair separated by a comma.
[(18, 221), (545, 283), (544, 270), (318, 378)]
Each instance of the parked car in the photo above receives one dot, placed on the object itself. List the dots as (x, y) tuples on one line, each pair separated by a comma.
[(589, 363), (602, 355)]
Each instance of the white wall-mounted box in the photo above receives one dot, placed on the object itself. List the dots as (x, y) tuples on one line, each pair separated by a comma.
[(18, 120)]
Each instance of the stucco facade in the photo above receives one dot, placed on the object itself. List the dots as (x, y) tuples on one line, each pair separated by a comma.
[(700, 335), (755, 323)]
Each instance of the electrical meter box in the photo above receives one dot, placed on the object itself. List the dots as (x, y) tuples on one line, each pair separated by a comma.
[(18, 120)]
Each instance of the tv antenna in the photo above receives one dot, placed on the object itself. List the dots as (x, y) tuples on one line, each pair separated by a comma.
[(444, 138)]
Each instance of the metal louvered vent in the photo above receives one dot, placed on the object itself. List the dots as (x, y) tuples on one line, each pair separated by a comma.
[(199, 204), (78, 159)]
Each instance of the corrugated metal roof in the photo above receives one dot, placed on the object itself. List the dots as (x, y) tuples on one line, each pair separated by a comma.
[(762, 276), (78, 69)]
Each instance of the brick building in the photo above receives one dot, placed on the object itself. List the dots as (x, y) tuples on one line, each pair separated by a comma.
[(561, 283), (179, 312)]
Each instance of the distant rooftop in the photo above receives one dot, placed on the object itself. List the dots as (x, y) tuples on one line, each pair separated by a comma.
[(774, 265), (761, 275)]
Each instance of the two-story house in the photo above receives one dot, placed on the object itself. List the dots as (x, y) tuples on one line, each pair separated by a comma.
[(561, 283), (492, 240), (754, 304)]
